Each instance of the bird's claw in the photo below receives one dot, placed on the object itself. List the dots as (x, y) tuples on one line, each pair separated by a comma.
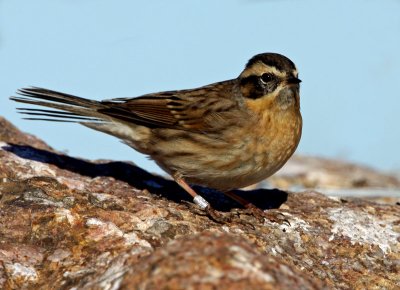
[(217, 216), (261, 215)]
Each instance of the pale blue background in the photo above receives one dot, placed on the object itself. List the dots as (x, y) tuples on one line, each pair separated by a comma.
[(347, 52)]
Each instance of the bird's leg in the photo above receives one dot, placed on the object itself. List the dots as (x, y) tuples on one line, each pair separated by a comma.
[(200, 201), (197, 199)]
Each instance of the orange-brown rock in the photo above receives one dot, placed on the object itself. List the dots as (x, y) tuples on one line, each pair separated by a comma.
[(67, 223)]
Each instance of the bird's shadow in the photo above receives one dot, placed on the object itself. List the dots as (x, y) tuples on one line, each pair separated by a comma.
[(141, 179)]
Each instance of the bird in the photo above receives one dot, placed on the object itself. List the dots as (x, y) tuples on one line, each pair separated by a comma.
[(225, 135)]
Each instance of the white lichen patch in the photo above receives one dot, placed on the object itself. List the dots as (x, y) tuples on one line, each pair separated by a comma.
[(19, 271), (72, 183), (34, 167), (43, 201), (112, 278), (250, 267), (334, 198), (101, 197), (225, 229), (293, 227), (142, 225), (294, 224), (59, 255), (276, 250), (364, 228), (63, 214), (108, 229)]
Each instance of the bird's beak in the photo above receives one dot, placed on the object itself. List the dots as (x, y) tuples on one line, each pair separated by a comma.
[(293, 80)]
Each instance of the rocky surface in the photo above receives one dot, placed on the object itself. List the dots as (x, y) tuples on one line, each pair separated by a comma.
[(336, 178), (313, 172), (68, 223)]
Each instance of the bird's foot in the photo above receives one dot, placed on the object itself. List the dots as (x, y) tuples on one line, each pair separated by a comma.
[(210, 212), (261, 215)]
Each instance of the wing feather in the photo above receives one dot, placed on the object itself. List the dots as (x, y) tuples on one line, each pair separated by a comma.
[(185, 110)]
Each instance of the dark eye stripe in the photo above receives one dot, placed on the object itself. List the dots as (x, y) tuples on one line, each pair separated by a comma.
[(254, 80), (253, 87)]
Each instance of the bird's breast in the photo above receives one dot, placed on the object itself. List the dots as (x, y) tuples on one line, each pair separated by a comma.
[(268, 145)]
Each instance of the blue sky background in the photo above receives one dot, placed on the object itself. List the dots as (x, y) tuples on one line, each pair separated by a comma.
[(347, 53)]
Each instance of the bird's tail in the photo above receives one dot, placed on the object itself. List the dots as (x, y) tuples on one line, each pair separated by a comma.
[(65, 108)]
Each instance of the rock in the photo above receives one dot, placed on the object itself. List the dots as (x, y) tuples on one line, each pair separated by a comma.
[(68, 223), (10, 134), (336, 178), (316, 172)]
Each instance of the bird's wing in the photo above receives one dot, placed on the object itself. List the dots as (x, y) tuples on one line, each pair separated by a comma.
[(201, 109)]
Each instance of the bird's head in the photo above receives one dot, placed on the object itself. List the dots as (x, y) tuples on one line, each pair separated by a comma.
[(270, 79)]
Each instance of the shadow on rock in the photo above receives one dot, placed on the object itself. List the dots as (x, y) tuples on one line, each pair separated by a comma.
[(141, 179)]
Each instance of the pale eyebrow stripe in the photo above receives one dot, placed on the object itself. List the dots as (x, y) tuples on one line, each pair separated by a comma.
[(260, 68)]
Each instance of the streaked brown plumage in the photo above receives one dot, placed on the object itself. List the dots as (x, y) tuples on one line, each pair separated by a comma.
[(225, 135)]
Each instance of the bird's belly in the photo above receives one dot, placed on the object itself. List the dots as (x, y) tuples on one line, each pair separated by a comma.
[(233, 161), (246, 167)]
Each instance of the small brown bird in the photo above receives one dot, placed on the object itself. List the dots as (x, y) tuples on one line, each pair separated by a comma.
[(225, 135)]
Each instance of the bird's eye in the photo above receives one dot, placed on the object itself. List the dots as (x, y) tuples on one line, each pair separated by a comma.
[(267, 77)]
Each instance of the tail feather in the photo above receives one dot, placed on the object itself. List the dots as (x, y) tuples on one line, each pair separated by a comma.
[(45, 94), (84, 115), (69, 108), (50, 120), (54, 113)]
